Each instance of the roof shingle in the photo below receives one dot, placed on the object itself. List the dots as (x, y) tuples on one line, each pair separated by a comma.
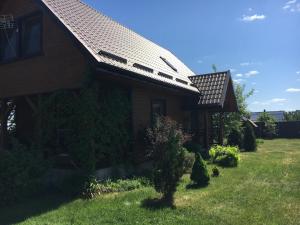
[(212, 87), (99, 33)]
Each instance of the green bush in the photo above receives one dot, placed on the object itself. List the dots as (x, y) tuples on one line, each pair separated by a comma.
[(189, 159), (199, 174), (269, 125), (93, 188), (21, 172), (225, 156), (235, 138), (215, 172), (166, 139), (194, 147), (249, 138)]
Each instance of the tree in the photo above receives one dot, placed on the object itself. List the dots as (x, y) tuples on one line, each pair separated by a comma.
[(235, 138), (199, 174), (269, 125), (249, 138), (166, 140), (234, 120), (214, 68), (292, 116)]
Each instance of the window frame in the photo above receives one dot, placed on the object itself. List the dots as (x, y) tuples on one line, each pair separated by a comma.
[(164, 105), (19, 21), (17, 50), (22, 21)]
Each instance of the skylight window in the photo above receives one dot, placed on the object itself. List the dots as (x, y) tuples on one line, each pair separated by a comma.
[(112, 56), (165, 75), (181, 81), (141, 67), (168, 63)]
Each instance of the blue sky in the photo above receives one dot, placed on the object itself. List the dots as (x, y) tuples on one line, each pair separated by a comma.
[(258, 40)]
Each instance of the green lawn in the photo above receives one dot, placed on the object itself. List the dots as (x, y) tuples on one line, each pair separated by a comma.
[(264, 189)]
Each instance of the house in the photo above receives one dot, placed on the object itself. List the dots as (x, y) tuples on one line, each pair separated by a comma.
[(46, 45), (278, 115)]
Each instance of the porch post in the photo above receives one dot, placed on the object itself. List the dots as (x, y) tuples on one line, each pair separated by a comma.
[(206, 130), (3, 127), (221, 128)]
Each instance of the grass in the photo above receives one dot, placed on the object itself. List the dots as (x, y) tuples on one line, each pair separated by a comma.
[(263, 189)]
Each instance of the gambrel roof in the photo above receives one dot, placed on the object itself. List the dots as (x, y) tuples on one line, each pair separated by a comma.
[(113, 44)]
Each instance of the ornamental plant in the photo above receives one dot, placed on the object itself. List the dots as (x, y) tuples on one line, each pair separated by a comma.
[(166, 149), (199, 174), (249, 138), (226, 156)]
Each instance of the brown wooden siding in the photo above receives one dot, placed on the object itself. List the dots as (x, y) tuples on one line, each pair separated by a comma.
[(60, 66), (141, 103)]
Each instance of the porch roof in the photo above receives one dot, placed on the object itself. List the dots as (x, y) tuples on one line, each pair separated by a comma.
[(216, 91)]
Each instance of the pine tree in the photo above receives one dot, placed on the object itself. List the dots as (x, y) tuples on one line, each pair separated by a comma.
[(199, 174), (249, 138)]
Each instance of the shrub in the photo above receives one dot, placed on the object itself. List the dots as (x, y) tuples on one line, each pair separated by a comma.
[(199, 174), (21, 172), (93, 188), (269, 125), (235, 138), (215, 172), (166, 139), (189, 159), (196, 148), (249, 138), (224, 156)]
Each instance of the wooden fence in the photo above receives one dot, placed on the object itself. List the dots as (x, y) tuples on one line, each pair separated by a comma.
[(286, 129)]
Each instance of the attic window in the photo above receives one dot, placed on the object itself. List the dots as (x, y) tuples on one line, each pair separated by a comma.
[(169, 64), (181, 81), (165, 75), (113, 57), (141, 67)]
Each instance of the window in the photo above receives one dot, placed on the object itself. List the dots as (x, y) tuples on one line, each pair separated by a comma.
[(8, 44), (31, 36), (158, 108), (23, 39), (168, 63)]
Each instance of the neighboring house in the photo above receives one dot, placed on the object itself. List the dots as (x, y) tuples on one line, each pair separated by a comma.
[(278, 115), (53, 41)]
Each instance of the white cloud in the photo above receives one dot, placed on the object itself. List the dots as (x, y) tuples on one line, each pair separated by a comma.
[(291, 2), (239, 75), (292, 6), (292, 90), (298, 72), (245, 64), (238, 81), (253, 18), (199, 61), (250, 9), (251, 73), (278, 100)]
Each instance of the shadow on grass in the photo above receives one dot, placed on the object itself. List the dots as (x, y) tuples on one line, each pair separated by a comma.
[(196, 186), (32, 207), (157, 203)]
